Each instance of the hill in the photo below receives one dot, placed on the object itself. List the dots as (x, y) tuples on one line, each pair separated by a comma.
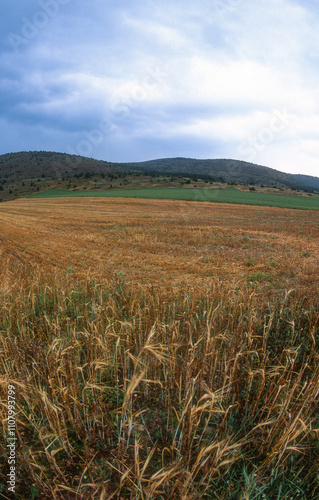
[(36, 164), (50, 169), (231, 171), (307, 180)]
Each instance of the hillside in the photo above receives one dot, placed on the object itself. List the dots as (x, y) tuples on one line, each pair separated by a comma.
[(231, 171), (50, 170), (307, 180), (36, 164)]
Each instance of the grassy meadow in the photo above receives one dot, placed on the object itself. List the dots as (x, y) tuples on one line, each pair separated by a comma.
[(160, 349)]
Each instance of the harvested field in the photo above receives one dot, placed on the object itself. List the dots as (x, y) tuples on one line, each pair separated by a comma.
[(159, 349), (160, 240)]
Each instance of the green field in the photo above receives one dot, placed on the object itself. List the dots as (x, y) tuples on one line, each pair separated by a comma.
[(229, 195)]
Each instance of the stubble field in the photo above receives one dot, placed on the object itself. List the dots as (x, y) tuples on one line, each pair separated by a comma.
[(160, 349)]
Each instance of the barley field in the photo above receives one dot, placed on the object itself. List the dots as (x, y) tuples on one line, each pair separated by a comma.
[(159, 349)]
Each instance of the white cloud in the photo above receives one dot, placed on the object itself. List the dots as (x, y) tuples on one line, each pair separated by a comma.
[(208, 76)]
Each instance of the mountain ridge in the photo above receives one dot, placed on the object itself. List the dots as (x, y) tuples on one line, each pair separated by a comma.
[(36, 164), (236, 170)]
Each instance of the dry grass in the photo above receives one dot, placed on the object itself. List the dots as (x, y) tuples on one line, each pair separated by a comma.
[(160, 350), (156, 241)]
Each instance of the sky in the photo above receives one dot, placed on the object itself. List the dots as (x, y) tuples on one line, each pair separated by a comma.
[(137, 80)]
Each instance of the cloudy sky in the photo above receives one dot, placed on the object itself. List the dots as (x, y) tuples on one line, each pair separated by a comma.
[(136, 80)]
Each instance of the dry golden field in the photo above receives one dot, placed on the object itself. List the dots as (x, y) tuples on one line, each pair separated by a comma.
[(152, 241), (159, 349)]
